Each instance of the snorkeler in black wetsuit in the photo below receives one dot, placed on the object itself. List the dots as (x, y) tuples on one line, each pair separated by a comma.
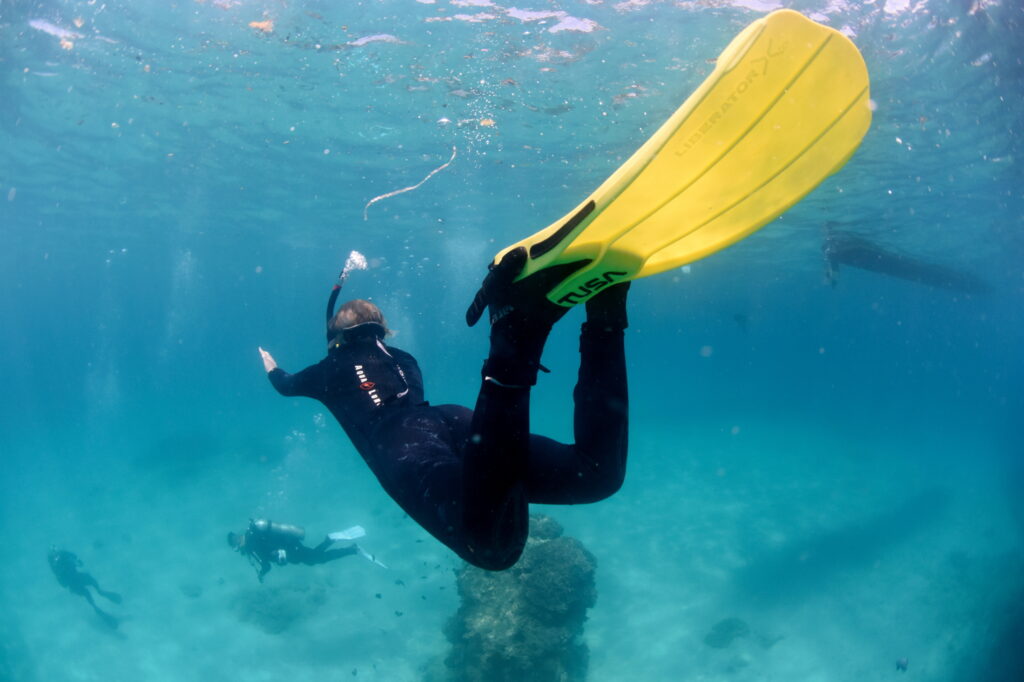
[(65, 566), (266, 543), (467, 476)]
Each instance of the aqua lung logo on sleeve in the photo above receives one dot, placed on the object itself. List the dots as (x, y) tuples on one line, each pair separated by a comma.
[(367, 385), (591, 287)]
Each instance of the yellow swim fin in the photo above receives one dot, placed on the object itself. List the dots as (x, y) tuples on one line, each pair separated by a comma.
[(785, 107)]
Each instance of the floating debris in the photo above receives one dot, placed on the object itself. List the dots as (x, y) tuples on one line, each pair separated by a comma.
[(565, 21), (573, 24), (477, 18), (53, 30), (533, 15), (411, 187), (376, 38)]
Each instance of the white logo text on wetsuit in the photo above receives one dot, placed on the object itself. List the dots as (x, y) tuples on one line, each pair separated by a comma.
[(367, 385), (371, 387)]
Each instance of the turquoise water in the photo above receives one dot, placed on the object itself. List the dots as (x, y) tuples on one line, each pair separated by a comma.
[(838, 467)]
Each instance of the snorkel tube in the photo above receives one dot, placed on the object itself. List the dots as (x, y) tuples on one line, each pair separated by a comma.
[(355, 261)]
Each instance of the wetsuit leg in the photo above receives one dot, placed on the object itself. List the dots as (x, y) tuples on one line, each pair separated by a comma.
[(82, 588), (88, 580), (495, 512), (505, 468), (332, 554), (319, 554), (595, 466), (467, 476)]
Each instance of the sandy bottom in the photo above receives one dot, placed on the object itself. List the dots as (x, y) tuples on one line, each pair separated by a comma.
[(839, 555)]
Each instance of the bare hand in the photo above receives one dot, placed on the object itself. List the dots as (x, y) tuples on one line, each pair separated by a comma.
[(269, 363)]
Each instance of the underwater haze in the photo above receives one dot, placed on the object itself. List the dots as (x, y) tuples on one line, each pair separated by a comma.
[(825, 478)]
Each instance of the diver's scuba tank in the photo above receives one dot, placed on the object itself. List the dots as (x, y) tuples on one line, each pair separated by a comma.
[(278, 529)]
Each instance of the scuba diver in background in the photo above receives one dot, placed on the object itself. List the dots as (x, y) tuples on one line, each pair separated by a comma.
[(847, 248), (65, 567), (468, 476), (266, 543)]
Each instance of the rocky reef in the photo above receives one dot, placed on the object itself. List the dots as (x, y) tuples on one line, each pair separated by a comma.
[(525, 623)]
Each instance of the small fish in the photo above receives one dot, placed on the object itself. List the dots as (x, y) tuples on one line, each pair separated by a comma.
[(901, 665)]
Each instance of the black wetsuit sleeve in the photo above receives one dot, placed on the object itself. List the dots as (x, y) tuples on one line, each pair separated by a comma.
[(307, 383)]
